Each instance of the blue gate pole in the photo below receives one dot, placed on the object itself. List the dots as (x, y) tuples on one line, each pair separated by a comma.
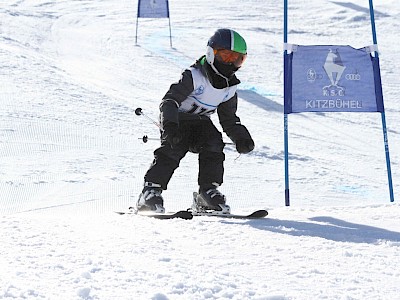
[(285, 120), (169, 23), (137, 21), (385, 136)]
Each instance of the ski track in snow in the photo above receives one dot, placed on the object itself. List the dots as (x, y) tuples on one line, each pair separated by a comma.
[(71, 77)]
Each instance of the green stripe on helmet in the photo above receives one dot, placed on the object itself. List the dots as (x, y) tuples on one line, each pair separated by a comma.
[(238, 43)]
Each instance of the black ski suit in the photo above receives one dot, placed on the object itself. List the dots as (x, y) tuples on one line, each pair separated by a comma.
[(189, 103)]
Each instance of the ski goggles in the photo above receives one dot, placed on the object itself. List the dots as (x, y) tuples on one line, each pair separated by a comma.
[(230, 57)]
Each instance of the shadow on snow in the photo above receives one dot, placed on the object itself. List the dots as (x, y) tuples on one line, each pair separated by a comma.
[(259, 100), (328, 228)]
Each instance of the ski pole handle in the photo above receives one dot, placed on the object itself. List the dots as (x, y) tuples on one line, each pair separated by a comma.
[(138, 111)]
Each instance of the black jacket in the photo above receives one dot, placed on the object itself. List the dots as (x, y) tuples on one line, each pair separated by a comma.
[(180, 93)]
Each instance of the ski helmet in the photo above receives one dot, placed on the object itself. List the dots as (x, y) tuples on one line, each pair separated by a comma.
[(226, 52)]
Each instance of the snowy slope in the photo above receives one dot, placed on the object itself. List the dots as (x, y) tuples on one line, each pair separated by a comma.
[(71, 77)]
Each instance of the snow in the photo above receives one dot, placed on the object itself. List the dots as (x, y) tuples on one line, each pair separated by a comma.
[(71, 78)]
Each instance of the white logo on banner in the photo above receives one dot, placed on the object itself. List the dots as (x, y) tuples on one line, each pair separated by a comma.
[(311, 75), (334, 68)]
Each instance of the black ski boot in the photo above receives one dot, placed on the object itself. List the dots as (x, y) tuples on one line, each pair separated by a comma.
[(150, 199), (210, 199)]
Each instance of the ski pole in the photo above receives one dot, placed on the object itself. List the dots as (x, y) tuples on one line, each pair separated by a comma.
[(145, 139), (139, 112)]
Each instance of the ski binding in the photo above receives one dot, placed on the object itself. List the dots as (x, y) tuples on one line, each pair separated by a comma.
[(225, 211)]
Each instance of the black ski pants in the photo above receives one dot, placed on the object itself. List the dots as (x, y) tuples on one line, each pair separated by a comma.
[(198, 136)]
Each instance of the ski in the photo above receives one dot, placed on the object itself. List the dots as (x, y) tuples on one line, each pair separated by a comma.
[(195, 211), (182, 214), (188, 215), (258, 214)]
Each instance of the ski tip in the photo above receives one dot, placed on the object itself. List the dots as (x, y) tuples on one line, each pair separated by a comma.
[(262, 213), (120, 212), (130, 211)]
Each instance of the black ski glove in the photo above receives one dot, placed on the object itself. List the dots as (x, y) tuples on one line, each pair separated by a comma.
[(244, 146), (171, 134)]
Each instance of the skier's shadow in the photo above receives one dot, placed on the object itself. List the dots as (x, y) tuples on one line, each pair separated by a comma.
[(328, 228)]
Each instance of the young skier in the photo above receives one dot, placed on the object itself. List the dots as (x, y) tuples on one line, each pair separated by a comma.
[(205, 87)]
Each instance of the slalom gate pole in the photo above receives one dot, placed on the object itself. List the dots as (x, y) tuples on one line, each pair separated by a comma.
[(169, 23), (385, 136), (285, 117), (137, 21)]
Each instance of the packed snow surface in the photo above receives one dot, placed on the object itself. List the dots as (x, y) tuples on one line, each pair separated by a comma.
[(71, 153)]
